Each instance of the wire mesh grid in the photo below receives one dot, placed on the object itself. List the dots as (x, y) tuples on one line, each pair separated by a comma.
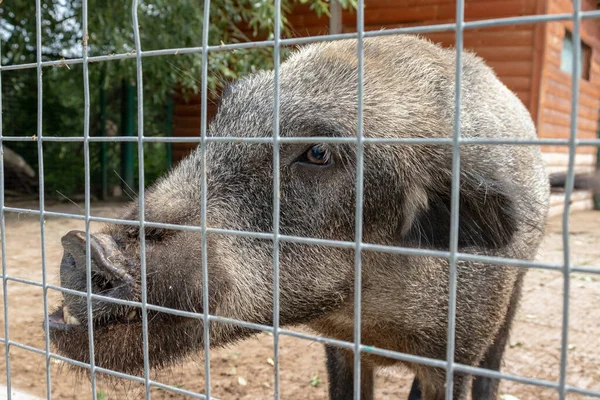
[(453, 255)]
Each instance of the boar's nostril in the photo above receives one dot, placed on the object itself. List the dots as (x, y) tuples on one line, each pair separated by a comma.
[(68, 262), (109, 267), (107, 259), (110, 275)]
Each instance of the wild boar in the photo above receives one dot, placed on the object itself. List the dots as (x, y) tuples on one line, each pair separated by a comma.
[(409, 92)]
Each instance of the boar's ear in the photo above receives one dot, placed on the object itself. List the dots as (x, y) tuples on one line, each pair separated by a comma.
[(488, 216)]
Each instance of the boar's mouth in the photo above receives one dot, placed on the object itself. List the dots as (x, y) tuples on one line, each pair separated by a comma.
[(111, 276), (117, 327), (63, 320)]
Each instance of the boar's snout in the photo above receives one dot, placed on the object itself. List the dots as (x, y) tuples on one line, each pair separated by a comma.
[(110, 277)]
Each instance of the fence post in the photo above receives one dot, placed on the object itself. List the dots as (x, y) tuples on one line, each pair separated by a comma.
[(597, 186), (103, 151), (169, 131), (127, 128)]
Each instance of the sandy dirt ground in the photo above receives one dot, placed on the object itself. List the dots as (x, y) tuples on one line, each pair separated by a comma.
[(244, 371)]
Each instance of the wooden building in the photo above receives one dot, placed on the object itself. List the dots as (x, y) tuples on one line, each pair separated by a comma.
[(533, 60)]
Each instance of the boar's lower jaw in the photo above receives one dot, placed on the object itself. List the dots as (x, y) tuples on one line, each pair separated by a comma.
[(119, 346), (165, 347)]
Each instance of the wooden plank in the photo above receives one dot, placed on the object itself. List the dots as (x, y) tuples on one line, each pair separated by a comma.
[(180, 152), (497, 9), (185, 131), (192, 112), (407, 3), (556, 43), (394, 14), (564, 120), (558, 132), (553, 58), (488, 38), (187, 124), (307, 18), (178, 97), (539, 53), (515, 53), (511, 68), (558, 6), (468, 3), (183, 148), (562, 104), (595, 72), (564, 107), (565, 149), (185, 110), (350, 26), (565, 79), (303, 31), (560, 90), (517, 83), (523, 95)]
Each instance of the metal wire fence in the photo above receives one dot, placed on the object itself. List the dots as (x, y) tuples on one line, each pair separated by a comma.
[(453, 255)]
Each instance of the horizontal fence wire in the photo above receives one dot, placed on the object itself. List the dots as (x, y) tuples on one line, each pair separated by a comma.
[(322, 242), (313, 139), (493, 260), (453, 255), (488, 23)]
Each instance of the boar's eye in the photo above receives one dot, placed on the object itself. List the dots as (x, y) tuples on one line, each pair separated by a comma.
[(317, 155), (152, 234)]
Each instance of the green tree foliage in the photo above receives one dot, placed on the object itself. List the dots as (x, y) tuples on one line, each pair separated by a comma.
[(163, 24)]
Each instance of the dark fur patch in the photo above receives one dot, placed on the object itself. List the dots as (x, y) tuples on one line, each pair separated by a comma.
[(488, 217)]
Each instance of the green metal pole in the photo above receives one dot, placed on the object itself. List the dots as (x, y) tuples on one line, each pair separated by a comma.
[(127, 129), (103, 151), (597, 190), (169, 131)]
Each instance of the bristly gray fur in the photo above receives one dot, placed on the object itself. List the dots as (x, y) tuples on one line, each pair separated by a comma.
[(409, 92)]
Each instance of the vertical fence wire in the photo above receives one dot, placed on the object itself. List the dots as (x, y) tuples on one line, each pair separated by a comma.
[(569, 185), (3, 239), (276, 194), (203, 205), (454, 204), (86, 160), (38, 40), (360, 28), (142, 233)]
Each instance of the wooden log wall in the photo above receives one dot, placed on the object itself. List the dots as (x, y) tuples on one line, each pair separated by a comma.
[(509, 50), (187, 123), (525, 57), (555, 95)]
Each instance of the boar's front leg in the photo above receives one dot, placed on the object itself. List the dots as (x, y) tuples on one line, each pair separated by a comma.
[(340, 371)]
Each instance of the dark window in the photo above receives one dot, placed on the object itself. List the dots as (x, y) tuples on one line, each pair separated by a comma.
[(566, 57)]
